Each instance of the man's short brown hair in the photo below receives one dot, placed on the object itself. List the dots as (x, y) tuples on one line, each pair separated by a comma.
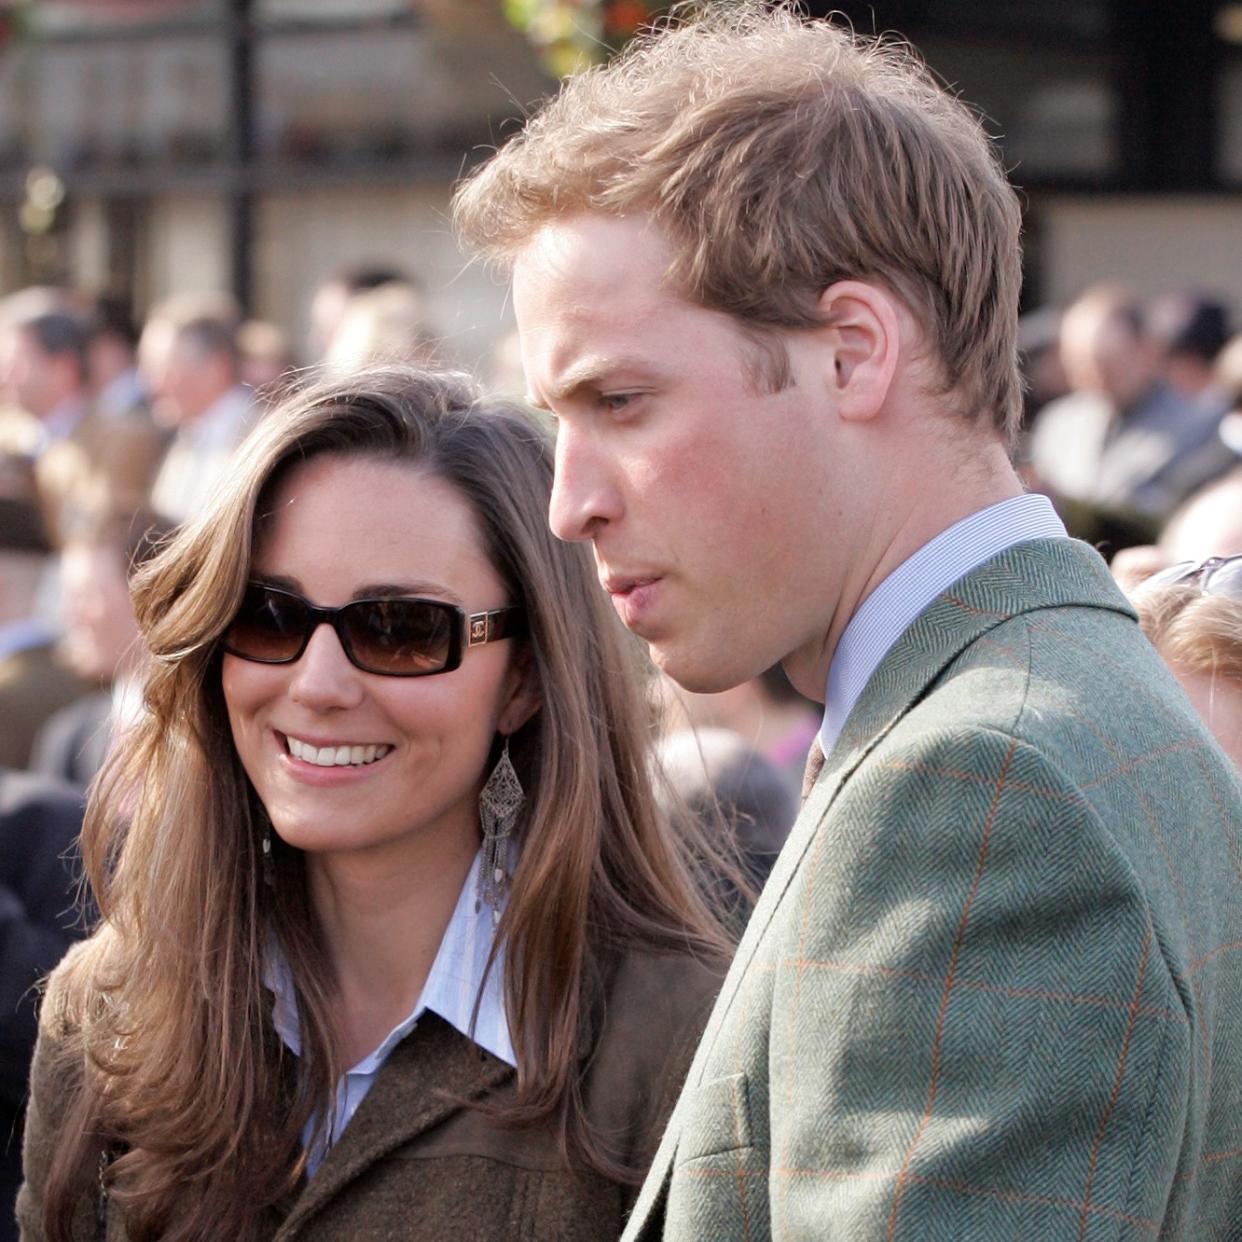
[(781, 156)]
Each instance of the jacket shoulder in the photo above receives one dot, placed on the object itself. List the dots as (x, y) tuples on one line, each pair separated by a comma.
[(55, 1082), (60, 1013)]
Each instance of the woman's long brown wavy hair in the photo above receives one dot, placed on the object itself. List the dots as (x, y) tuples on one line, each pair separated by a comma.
[(168, 1018)]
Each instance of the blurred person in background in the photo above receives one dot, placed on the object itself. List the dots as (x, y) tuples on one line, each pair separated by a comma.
[(120, 404), (39, 822), (766, 712), (43, 368), (94, 442), (1123, 441), (101, 640), (380, 326), (1229, 380), (268, 367), (396, 940), (111, 454), (190, 358), (330, 300), (1039, 356), (35, 679), (117, 390), (1192, 612), (21, 433), (733, 788), (1192, 330), (1208, 524)]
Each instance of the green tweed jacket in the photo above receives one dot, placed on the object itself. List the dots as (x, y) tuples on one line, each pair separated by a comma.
[(993, 988)]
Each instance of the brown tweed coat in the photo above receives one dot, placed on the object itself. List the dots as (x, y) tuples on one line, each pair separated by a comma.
[(414, 1164)]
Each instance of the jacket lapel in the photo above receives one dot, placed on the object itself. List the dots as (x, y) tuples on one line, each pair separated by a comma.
[(1040, 574), (424, 1081), (1027, 578)]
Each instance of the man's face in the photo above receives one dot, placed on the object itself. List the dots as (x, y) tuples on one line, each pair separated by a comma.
[(191, 382), (1103, 354), (32, 377), (708, 498), (326, 312)]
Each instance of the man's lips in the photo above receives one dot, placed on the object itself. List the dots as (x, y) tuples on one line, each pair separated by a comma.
[(633, 596), (623, 584)]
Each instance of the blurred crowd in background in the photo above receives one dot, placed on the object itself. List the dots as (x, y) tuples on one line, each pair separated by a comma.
[(114, 432)]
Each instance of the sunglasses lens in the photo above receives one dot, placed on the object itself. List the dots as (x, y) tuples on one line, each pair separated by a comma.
[(1225, 579), (269, 626), (400, 636), (1174, 575)]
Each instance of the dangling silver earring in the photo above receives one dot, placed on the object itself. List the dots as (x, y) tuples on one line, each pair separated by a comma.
[(269, 863), (500, 800)]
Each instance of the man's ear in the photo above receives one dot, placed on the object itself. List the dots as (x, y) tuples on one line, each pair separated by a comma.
[(522, 697), (862, 324)]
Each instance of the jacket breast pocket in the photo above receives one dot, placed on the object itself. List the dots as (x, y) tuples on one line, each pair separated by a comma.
[(716, 1118)]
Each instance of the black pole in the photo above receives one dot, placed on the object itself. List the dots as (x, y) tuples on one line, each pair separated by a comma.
[(241, 150), (1167, 66)]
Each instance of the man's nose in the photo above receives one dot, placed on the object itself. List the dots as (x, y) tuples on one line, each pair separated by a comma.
[(585, 491)]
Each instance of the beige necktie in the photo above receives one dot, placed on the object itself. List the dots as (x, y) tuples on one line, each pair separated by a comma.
[(814, 762)]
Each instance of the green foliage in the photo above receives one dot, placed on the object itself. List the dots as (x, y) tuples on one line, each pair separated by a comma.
[(572, 35)]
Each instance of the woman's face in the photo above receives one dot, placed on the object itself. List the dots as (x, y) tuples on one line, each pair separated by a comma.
[(1218, 700), (341, 529)]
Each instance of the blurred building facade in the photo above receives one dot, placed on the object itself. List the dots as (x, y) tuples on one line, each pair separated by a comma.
[(159, 146), (253, 146)]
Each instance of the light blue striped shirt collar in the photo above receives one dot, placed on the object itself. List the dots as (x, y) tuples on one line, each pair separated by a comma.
[(890, 610), (449, 992)]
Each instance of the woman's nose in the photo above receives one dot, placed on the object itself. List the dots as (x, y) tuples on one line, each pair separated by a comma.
[(323, 678)]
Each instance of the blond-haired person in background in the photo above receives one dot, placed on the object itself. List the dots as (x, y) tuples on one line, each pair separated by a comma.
[(1192, 612)]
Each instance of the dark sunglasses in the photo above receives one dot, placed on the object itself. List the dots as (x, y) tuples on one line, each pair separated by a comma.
[(397, 637), (1218, 575)]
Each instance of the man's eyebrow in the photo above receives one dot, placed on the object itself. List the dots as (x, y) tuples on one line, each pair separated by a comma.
[(586, 373)]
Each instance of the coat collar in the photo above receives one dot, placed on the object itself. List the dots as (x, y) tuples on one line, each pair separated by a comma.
[(426, 1079), (1029, 577)]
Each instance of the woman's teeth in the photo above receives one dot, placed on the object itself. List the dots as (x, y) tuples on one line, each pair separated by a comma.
[(335, 756)]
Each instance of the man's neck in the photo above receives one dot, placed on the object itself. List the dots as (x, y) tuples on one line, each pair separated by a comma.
[(208, 407), (917, 508)]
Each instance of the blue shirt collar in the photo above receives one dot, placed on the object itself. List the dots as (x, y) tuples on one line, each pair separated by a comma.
[(449, 992), (894, 605)]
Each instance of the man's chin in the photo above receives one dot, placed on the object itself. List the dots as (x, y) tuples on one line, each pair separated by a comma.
[(698, 673)]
